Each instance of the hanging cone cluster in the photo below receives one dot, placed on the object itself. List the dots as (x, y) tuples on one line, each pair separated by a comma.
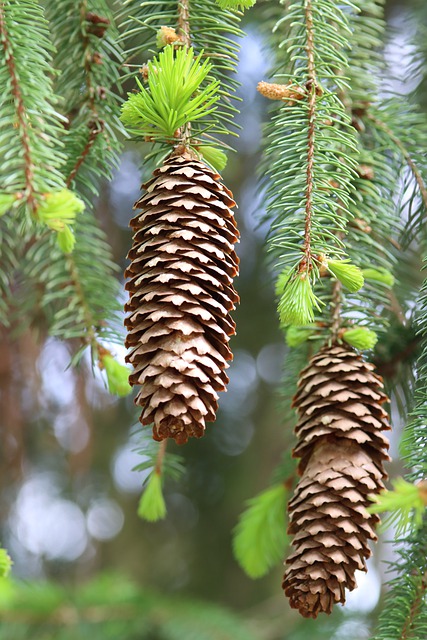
[(180, 295), (342, 450)]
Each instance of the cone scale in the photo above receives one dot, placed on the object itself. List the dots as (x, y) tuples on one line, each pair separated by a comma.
[(342, 450), (182, 265)]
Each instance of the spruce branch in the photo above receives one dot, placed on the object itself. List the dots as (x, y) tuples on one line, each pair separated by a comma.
[(311, 114), (21, 115), (405, 152), (30, 127)]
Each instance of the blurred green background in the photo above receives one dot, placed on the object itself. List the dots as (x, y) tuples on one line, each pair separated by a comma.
[(85, 566)]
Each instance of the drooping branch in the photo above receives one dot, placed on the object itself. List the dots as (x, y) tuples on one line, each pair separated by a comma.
[(311, 88), (21, 112)]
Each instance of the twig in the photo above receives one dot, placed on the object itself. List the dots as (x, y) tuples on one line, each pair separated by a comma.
[(96, 129), (311, 88), (184, 31), (158, 469), (417, 603), (336, 309)]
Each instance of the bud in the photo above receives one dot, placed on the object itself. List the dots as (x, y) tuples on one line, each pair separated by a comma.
[(361, 224), (298, 335), (406, 504), (165, 36), (152, 505), (5, 563), (347, 273), (117, 376), (236, 5), (360, 338), (66, 239), (366, 172), (286, 92), (59, 208), (297, 304), (215, 157), (379, 274), (281, 281)]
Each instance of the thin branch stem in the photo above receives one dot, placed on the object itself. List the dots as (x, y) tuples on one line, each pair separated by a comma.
[(95, 130), (311, 88), (158, 469), (96, 125), (414, 610), (336, 309), (409, 161), (23, 120), (184, 31), (184, 22), (91, 338)]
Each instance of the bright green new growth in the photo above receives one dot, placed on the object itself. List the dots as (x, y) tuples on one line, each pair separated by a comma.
[(152, 505), (238, 5), (348, 274), (297, 304), (117, 376), (360, 338), (58, 211), (174, 96), (6, 202), (379, 275), (260, 540), (5, 563), (59, 208), (406, 504), (215, 157), (298, 335)]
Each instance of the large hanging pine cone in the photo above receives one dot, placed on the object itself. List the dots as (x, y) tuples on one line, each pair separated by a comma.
[(181, 292), (342, 450)]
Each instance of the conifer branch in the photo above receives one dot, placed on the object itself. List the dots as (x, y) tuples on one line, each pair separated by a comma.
[(312, 90), (406, 154), (21, 114), (95, 130), (417, 603), (30, 127)]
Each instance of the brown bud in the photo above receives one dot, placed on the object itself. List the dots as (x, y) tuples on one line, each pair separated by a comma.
[(286, 92), (97, 24), (366, 172), (96, 58), (166, 35), (144, 72), (361, 224)]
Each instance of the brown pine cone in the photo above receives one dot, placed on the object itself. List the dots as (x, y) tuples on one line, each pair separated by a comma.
[(181, 292), (342, 450)]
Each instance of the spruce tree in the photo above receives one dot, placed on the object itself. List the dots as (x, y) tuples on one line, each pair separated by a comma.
[(343, 174)]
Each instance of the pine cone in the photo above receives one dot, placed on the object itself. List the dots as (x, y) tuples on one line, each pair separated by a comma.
[(342, 450), (181, 291)]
